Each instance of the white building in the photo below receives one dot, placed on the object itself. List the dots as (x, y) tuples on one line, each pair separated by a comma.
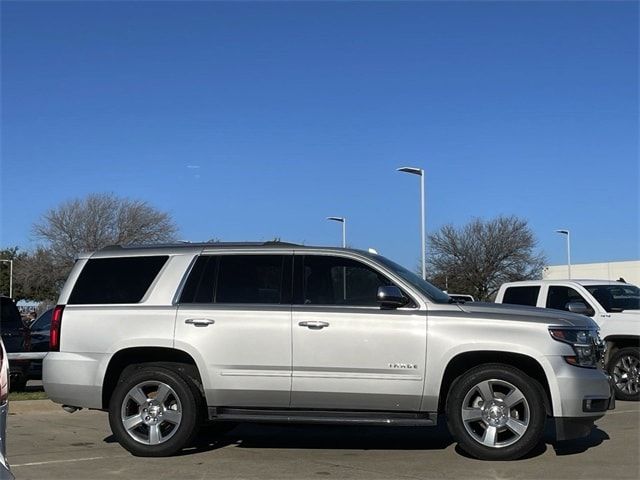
[(629, 271)]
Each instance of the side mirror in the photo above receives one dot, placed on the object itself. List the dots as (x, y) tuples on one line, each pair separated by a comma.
[(390, 296), (578, 307)]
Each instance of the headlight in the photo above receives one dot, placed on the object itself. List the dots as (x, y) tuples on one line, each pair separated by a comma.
[(587, 345)]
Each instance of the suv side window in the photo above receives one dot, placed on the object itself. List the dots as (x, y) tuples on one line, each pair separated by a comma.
[(116, 280), (239, 279), (330, 280), (558, 298), (521, 295)]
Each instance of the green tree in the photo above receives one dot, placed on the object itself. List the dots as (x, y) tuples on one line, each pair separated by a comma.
[(14, 254)]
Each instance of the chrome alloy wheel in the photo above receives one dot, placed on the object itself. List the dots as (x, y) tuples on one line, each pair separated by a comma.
[(626, 374), (151, 412), (495, 413)]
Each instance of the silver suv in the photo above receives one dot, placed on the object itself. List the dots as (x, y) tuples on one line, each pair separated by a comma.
[(165, 338)]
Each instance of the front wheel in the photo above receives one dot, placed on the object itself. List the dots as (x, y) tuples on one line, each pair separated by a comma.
[(496, 412), (154, 413), (624, 368)]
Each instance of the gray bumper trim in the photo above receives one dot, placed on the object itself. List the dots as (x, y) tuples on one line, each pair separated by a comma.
[(568, 428)]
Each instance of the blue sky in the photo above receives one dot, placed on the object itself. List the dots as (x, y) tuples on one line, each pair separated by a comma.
[(248, 121)]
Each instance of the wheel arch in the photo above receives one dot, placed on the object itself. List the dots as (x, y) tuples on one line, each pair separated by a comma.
[(466, 360), (139, 355), (616, 342)]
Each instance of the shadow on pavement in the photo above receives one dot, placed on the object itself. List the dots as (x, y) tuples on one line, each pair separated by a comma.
[(321, 437), (291, 436), (579, 445)]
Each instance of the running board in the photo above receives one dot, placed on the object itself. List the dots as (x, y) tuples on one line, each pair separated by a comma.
[(328, 417)]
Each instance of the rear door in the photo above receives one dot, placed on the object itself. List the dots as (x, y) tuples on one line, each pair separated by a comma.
[(348, 353), (235, 316)]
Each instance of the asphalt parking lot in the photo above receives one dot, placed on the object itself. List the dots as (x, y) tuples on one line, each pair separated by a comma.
[(45, 442)]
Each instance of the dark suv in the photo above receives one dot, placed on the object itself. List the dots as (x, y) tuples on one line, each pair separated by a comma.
[(17, 339), (40, 332)]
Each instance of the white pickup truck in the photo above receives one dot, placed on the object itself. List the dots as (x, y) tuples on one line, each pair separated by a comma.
[(615, 307)]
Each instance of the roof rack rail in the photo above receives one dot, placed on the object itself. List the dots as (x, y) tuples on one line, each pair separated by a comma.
[(199, 244)]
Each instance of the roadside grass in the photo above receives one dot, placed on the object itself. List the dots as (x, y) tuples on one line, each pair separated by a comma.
[(28, 395)]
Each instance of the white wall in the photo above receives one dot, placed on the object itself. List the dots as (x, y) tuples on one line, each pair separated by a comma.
[(630, 271)]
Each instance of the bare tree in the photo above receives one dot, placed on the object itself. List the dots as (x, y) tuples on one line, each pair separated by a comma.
[(478, 257), (99, 220)]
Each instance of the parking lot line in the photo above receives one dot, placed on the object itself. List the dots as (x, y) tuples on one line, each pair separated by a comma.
[(31, 464)]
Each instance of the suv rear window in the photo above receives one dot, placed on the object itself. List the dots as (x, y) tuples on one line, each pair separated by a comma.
[(521, 295), (116, 280), (9, 316)]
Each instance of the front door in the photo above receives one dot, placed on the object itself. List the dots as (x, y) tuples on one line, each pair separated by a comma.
[(235, 317), (347, 352)]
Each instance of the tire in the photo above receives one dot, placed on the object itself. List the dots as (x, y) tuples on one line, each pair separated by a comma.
[(506, 428), (624, 368), (154, 411)]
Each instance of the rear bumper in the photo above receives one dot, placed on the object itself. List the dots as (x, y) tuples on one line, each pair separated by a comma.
[(72, 379)]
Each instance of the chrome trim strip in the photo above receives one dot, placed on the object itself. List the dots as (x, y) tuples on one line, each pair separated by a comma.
[(357, 376), (252, 373)]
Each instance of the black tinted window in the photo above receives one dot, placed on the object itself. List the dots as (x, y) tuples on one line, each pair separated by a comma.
[(200, 285), (9, 315), (116, 280), (340, 281), (559, 297), (249, 279), (43, 322), (521, 295), (616, 298)]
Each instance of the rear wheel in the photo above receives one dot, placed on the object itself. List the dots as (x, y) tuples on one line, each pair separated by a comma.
[(496, 412), (154, 412), (624, 368)]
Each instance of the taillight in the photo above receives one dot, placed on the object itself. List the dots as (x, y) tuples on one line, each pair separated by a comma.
[(56, 323)]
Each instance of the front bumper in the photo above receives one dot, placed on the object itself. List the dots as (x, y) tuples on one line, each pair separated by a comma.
[(571, 386), (585, 395), (568, 428)]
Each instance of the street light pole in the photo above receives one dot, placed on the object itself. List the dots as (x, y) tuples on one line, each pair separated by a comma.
[(423, 239), (344, 228), (568, 234), (343, 221), (10, 262)]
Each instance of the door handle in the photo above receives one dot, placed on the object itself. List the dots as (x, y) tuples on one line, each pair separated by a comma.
[(199, 322), (314, 324)]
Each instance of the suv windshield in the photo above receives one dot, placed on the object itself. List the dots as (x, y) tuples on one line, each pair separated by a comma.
[(433, 293), (616, 298)]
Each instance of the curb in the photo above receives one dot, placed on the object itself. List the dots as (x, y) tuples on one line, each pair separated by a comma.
[(18, 407)]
